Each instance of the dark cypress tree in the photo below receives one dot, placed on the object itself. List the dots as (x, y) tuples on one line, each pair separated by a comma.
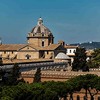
[(14, 75), (1, 62), (2, 76), (2, 72), (37, 76), (79, 62)]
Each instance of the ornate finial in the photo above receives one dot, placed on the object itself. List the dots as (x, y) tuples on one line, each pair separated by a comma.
[(40, 21)]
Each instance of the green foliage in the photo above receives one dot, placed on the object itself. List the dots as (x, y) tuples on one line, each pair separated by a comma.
[(50, 95), (92, 64), (49, 90), (59, 87), (79, 62), (2, 73), (95, 58), (87, 82), (13, 75), (37, 76), (6, 98), (97, 83)]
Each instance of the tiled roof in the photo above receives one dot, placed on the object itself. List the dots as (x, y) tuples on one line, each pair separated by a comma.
[(14, 47), (70, 46), (32, 46), (51, 47), (36, 47), (40, 28)]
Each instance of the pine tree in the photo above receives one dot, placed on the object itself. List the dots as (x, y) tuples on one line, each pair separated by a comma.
[(37, 76), (79, 62)]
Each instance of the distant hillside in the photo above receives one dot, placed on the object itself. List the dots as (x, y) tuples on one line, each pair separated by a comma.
[(88, 45)]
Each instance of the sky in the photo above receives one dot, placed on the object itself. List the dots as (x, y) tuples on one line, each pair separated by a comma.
[(74, 21)]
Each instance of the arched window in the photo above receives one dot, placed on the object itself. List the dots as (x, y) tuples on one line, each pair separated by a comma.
[(74, 51), (28, 56), (42, 43), (42, 34)]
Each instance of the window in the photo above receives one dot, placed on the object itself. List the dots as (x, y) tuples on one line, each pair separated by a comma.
[(70, 51), (4, 52), (12, 52), (47, 52), (42, 43), (42, 34), (74, 51), (28, 56)]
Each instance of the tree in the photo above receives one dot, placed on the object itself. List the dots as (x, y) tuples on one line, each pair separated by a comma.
[(37, 76), (58, 87), (73, 86), (79, 62), (1, 62), (87, 82), (14, 74), (3, 76), (50, 95), (6, 98), (2, 72), (95, 58)]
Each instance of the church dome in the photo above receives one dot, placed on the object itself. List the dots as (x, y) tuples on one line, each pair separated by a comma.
[(40, 35), (40, 29), (62, 56)]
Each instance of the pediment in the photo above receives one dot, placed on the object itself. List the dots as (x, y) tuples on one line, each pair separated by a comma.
[(28, 48)]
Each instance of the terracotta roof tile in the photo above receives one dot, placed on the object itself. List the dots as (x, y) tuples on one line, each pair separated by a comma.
[(34, 46), (70, 46), (14, 47), (51, 47)]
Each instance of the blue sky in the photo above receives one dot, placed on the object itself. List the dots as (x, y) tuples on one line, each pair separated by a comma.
[(69, 20)]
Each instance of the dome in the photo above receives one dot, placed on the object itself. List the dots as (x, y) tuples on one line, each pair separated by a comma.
[(40, 28), (62, 56)]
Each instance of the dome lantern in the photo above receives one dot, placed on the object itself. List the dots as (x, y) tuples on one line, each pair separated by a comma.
[(40, 21)]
